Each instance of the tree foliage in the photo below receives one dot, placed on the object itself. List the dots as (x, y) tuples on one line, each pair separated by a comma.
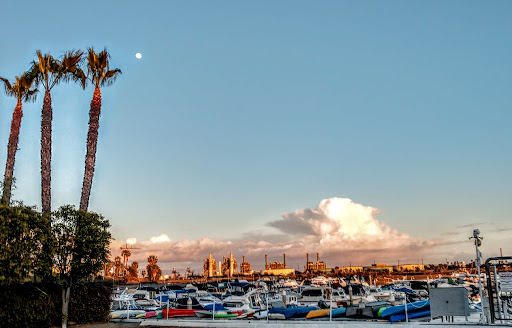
[(133, 271), (82, 243), (82, 248), (153, 270), (23, 242)]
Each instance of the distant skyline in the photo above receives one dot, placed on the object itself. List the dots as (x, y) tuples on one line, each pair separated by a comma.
[(364, 130)]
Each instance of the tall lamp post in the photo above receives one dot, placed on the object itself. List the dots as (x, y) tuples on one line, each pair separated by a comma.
[(478, 243)]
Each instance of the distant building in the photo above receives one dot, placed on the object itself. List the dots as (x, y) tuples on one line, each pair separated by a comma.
[(228, 267), (349, 269), (276, 268), (245, 267), (378, 267), (409, 267), (210, 267), (175, 274), (277, 272), (318, 267)]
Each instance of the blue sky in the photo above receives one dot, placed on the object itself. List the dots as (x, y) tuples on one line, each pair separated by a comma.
[(242, 111)]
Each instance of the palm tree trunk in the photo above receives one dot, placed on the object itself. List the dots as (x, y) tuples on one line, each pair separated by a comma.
[(92, 140), (12, 147), (46, 154)]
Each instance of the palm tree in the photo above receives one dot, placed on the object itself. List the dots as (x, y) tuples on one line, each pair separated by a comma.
[(152, 259), (153, 269), (133, 270), (117, 266), (49, 72), (106, 268), (126, 254), (99, 74), (23, 91)]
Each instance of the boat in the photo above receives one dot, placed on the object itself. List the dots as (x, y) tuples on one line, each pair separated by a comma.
[(338, 312), (293, 312), (319, 281), (411, 307), (220, 314), (218, 308), (123, 314), (290, 283), (411, 315), (366, 310), (380, 294), (318, 313), (172, 312), (245, 303), (283, 298), (311, 296), (150, 314)]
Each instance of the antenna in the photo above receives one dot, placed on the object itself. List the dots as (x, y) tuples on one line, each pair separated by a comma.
[(128, 247)]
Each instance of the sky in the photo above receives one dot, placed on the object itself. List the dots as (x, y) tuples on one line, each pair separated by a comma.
[(367, 131)]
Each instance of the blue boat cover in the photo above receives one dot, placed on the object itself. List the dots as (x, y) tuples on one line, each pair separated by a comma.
[(338, 312), (163, 298), (414, 306), (412, 315), (218, 307), (184, 291), (294, 312)]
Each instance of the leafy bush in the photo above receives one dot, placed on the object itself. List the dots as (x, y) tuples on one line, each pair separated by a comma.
[(38, 305), (90, 302)]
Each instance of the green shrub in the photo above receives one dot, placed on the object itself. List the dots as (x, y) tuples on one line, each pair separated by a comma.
[(38, 305), (90, 302)]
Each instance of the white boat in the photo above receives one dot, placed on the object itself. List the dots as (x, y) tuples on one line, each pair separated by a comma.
[(245, 303), (289, 283), (319, 281), (311, 296), (381, 295), (283, 298)]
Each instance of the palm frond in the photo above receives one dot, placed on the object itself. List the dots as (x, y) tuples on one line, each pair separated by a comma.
[(69, 66), (98, 68), (43, 70), (26, 80), (21, 88), (34, 71), (30, 95), (7, 84), (78, 75), (110, 77)]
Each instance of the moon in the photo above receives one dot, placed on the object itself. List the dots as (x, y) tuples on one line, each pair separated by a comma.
[(138, 55)]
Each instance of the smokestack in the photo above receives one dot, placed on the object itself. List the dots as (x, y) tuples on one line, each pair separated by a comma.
[(307, 258), (230, 265), (317, 258), (210, 265), (501, 252), (243, 259), (266, 262), (284, 255)]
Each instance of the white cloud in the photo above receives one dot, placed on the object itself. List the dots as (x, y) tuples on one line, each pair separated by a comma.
[(339, 229), (159, 239)]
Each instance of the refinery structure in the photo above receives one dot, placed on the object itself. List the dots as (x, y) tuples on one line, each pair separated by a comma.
[(228, 267)]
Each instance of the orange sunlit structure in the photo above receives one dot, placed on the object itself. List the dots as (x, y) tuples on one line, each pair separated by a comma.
[(245, 267)]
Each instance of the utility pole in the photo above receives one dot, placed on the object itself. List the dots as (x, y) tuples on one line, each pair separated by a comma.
[(478, 242)]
